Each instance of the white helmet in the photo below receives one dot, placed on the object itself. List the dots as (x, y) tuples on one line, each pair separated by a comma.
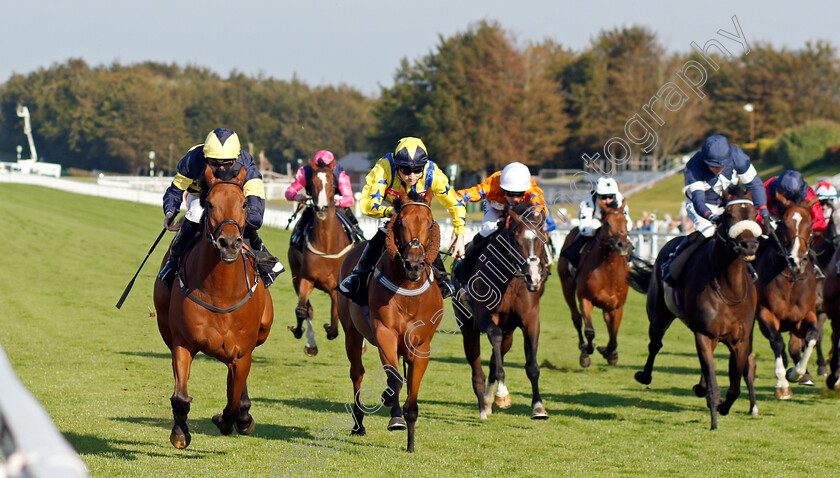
[(826, 191), (516, 178), (606, 186)]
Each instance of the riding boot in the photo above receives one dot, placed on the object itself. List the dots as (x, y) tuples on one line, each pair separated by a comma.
[(176, 251), (573, 252), (465, 265), (439, 271), (300, 229), (673, 266), (355, 231), (268, 265), (352, 286)]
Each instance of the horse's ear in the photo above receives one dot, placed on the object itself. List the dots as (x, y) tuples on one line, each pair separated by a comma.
[(623, 205), (811, 203), (209, 177), (240, 177), (427, 196)]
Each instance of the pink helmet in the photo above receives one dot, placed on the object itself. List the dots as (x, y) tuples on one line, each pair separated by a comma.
[(323, 159)]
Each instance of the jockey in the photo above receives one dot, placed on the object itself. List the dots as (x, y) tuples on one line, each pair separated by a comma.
[(220, 150), (708, 173), (503, 189), (828, 198), (604, 196), (410, 165), (790, 186), (300, 190)]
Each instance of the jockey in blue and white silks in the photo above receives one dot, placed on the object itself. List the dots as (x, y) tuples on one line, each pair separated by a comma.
[(709, 172)]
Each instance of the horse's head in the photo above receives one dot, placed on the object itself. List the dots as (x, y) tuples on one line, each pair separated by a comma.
[(413, 235), (225, 210), (524, 226), (738, 226), (795, 233), (322, 191), (613, 231)]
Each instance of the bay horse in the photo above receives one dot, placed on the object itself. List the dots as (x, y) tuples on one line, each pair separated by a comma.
[(405, 309), (716, 301), (317, 266), (787, 293), (221, 308), (519, 307), (600, 281)]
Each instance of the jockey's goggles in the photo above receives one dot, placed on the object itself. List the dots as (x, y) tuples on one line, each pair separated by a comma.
[(321, 164), (406, 170), (515, 194), (607, 197)]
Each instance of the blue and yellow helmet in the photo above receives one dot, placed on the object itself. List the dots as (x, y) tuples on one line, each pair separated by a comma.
[(222, 145), (410, 152)]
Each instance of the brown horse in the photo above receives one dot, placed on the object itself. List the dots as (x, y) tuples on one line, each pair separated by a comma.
[(317, 266), (519, 307), (405, 309), (600, 281), (221, 307), (716, 301), (787, 293)]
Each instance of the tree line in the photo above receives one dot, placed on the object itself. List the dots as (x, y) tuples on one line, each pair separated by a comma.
[(480, 98)]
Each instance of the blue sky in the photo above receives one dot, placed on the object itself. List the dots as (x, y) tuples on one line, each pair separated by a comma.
[(360, 43)]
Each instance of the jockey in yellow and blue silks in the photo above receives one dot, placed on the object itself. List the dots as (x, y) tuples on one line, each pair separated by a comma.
[(221, 150), (409, 168)]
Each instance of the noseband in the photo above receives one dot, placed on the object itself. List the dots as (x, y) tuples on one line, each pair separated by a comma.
[(402, 251), (212, 236), (612, 239), (532, 258), (727, 239)]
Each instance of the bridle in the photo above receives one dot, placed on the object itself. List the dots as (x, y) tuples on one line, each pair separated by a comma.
[(788, 257), (524, 268), (212, 237), (613, 239), (402, 251)]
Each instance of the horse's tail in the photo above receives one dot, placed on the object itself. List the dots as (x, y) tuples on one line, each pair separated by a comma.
[(640, 274)]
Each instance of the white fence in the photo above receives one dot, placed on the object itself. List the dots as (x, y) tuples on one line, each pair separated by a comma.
[(32, 445), (647, 243)]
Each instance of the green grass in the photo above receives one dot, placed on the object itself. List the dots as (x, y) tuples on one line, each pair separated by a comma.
[(104, 375)]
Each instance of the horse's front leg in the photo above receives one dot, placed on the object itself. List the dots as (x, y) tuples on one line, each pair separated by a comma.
[(496, 391), (181, 362), (613, 321), (822, 367), (238, 370), (389, 356), (586, 349), (809, 325), (472, 350), (416, 368), (332, 329), (660, 319), (245, 423), (531, 334), (769, 326), (738, 359), (577, 320), (705, 352), (303, 313)]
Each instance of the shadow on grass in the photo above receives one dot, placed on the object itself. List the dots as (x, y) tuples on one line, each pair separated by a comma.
[(604, 400), (309, 404), (485, 360), (199, 356), (204, 426), (124, 449)]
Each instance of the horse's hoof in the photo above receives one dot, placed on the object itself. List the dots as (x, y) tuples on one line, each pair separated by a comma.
[(792, 375), (642, 378), (482, 415), (180, 437), (754, 410), (310, 351), (806, 380), (247, 428), (783, 393), (397, 423), (822, 371), (832, 383), (585, 361), (539, 412), (331, 334), (224, 428), (296, 331), (699, 390), (610, 355), (359, 431), (504, 402)]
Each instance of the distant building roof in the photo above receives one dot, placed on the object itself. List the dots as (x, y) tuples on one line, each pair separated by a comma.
[(356, 162)]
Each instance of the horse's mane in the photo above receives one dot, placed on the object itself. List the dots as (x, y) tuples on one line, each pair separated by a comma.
[(736, 190)]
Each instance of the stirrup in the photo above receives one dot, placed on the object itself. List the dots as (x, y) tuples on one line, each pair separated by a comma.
[(269, 276)]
